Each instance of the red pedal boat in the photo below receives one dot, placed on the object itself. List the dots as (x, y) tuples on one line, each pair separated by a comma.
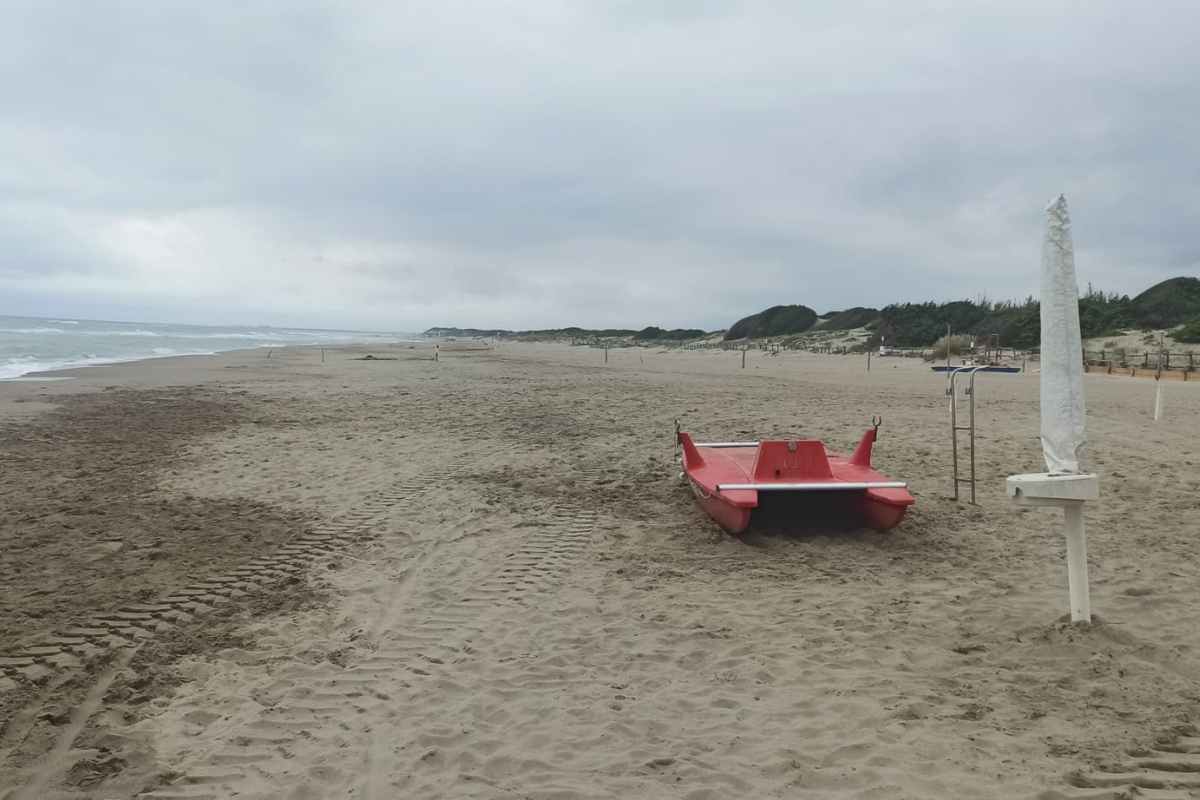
[(727, 478)]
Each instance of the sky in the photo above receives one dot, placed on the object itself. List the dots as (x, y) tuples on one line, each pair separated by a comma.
[(541, 163)]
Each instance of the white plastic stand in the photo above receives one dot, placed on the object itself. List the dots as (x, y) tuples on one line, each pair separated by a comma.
[(1068, 492), (1157, 399)]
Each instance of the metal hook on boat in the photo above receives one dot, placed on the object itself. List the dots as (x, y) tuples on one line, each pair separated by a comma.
[(876, 421)]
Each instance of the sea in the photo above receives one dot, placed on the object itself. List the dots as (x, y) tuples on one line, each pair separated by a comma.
[(31, 344)]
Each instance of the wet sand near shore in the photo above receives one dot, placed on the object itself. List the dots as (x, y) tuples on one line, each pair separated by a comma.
[(481, 577)]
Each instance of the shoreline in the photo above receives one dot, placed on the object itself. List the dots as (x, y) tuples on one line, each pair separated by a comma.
[(104, 362), (153, 371), (115, 361), (37, 391)]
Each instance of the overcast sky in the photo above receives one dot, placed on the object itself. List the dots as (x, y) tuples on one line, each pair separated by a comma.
[(546, 162)]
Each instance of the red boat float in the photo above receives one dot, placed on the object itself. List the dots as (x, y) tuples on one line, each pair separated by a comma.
[(727, 478)]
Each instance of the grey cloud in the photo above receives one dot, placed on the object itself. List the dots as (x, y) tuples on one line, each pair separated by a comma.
[(550, 163)]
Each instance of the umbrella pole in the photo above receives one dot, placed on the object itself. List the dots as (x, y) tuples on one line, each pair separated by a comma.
[(1068, 492), (1077, 569)]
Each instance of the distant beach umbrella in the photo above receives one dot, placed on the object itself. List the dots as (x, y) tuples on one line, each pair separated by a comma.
[(1063, 427)]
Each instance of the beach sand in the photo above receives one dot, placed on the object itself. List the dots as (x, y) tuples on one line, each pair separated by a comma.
[(236, 576)]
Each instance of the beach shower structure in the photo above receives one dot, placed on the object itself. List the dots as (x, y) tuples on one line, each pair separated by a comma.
[(1064, 485), (952, 389)]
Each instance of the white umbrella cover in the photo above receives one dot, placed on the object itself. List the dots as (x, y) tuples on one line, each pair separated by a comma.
[(1063, 433)]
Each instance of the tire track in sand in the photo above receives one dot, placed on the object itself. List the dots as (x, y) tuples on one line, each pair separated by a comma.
[(251, 756), (1168, 771), (254, 759), (114, 636), (441, 643)]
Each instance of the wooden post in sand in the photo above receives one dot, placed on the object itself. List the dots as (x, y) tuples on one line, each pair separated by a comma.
[(744, 357), (322, 355), (1158, 381), (868, 359), (605, 354), (437, 351), (947, 346), (1158, 384), (269, 353)]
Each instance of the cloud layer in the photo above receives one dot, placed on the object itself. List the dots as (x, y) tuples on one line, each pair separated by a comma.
[(544, 163)]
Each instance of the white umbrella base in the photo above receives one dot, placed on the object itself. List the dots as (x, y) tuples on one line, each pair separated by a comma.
[(1068, 492)]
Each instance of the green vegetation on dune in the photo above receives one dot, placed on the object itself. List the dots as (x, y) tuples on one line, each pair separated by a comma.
[(921, 324), (775, 321), (1172, 302), (468, 332), (656, 334), (582, 333), (1103, 314), (1017, 323), (651, 333), (1189, 333), (851, 318)]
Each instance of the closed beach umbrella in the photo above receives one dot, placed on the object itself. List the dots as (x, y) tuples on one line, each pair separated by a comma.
[(1064, 485), (1063, 430)]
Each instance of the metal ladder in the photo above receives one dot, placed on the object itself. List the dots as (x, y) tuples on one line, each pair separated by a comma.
[(955, 428)]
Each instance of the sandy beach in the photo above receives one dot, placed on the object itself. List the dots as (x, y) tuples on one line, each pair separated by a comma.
[(480, 577)]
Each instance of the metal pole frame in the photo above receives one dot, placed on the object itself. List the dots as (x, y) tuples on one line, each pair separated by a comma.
[(955, 428)]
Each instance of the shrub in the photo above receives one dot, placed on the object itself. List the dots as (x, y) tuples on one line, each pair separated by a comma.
[(957, 344), (1189, 333)]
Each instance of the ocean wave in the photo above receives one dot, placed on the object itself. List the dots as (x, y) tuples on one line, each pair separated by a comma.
[(32, 330), (82, 333), (65, 321), (248, 336), (17, 367)]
